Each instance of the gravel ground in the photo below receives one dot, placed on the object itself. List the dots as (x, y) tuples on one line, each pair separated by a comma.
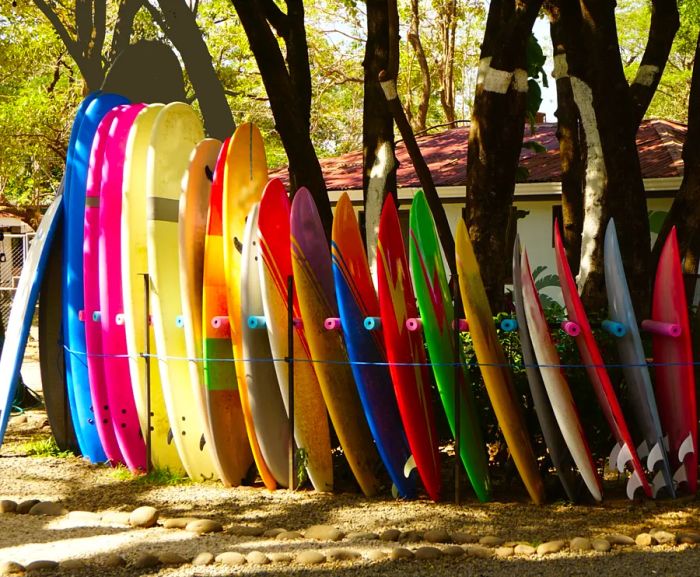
[(79, 486)]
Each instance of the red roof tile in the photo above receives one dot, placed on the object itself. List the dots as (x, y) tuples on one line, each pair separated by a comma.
[(660, 144)]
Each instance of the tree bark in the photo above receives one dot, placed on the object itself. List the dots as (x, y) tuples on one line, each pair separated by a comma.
[(289, 100), (447, 18), (495, 136), (419, 120)]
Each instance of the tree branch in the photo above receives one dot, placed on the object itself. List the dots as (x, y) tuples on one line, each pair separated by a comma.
[(277, 19), (60, 30), (124, 26)]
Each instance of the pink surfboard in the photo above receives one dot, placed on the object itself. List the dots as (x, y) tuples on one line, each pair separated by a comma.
[(116, 365), (91, 314)]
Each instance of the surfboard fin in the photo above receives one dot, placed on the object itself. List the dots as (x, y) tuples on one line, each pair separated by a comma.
[(658, 483), (643, 450), (409, 467), (394, 491), (680, 476), (655, 456), (623, 457), (614, 455), (634, 483), (686, 448)]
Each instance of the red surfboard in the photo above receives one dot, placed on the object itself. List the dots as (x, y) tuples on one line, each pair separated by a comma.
[(405, 350), (624, 452)]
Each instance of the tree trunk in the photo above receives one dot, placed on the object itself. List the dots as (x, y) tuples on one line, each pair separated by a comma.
[(495, 137), (379, 163), (418, 121), (287, 91), (447, 17)]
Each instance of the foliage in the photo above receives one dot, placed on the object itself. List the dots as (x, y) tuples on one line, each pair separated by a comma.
[(157, 477), (44, 447)]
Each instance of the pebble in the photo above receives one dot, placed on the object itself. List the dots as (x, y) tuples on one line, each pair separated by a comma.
[(400, 553), (8, 506), (145, 561), (411, 537), (664, 537), (310, 558), (462, 538), (427, 553), (324, 533), (289, 535), (203, 526), (277, 557), (491, 541), (230, 558), (48, 508), (361, 536), (619, 539), (580, 544), (20, 419), (644, 540), (601, 545), (689, 537), (72, 565), (342, 555), (246, 531), (176, 522), (203, 558), (84, 516), (375, 555), (436, 536), (172, 558), (478, 551), (111, 560), (453, 550), (550, 547), (524, 549), (41, 565), (24, 507), (116, 517), (390, 535), (143, 517), (272, 533), (503, 552), (10, 568), (257, 558)]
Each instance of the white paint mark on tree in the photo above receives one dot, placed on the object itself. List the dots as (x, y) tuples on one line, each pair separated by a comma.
[(561, 66), (389, 89), (520, 80), (646, 75), (383, 165), (484, 67), (497, 81), (596, 177)]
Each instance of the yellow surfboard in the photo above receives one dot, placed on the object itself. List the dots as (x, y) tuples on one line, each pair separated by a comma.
[(135, 263), (494, 369), (176, 132), (245, 176)]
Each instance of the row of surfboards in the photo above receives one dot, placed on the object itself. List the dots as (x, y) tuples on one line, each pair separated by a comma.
[(145, 192)]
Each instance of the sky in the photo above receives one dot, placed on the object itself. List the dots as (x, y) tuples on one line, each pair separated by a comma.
[(549, 94)]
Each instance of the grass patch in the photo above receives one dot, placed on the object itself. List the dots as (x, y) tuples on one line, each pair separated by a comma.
[(157, 477), (44, 447)]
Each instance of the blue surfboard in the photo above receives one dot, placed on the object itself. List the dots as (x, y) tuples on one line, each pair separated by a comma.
[(93, 110), (356, 301)]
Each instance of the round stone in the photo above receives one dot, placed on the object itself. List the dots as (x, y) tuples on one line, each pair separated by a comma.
[(400, 553), (491, 541), (176, 522), (375, 555), (324, 533), (664, 537), (41, 565), (203, 526), (116, 517), (550, 547), (524, 549), (390, 535), (231, 558), (277, 557), (427, 553), (172, 558), (411, 537), (111, 560), (462, 538), (289, 535), (436, 536), (453, 551), (257, 558), (143, 517), (503, 552), (145, 561), (310, 558), (10, 568), (8, 506), (72, 565), (48, 508), (361, 536), (644, 540), (341, 555), (619, 539), (203, 558), (272, 533), (601, 545), (580, 544), (689, 537), (479, 551), (24, 507)]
